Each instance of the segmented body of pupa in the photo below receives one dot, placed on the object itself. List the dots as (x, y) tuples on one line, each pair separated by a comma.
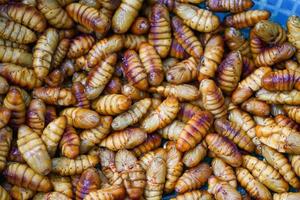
[(213, 54), (255, 188), (163, 115), (293, 112), (224, 172), (133, 175), (193, 178), (174, 166), (16, 56), (199, 19), (232, 6), (212, 98), (194, 131), (160, 30), (5, 144), (222, 190), (265, 174), (133, 115), (234, 133)]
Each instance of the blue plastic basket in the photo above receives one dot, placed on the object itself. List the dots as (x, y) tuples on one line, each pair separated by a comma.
[(280, 10)]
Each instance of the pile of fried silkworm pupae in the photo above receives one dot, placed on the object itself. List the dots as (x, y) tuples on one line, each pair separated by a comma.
[(153, 99)]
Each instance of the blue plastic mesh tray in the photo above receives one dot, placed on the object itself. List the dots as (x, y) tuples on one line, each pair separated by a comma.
[(280, 10)]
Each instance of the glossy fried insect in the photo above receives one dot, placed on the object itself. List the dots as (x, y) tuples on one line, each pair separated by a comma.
[(51, 196), (125, 15), (44, 51), (247, 18), (187, 111), (193, 178), (15, 103), (172, 131), (108, 7), (4, 194), (54, 78), (224, 172), (133, 41), (80, 95), (280, 163), (80, 46), (109, 169), (23, 176), (146, 159), (52, 134), (194, 131), (286, 97), (89, 181), (55, 95), (286, 196), (222, 190), (26, 15), (283, 120), (212, 98), (249, 85), (103, 48), (275, 54), (212, 57), (186, 38), (5, 144), (196, 18), (163, 115), (81, 117), (10, 30), (113, 86), (55, 14), (183, 92), (17, 192), (36, 115), (91, 137), (293, 112), (111, 104), (248, 67), (125, 139), (283, 139), (256, 189), (194, 156), (152, 63), (133, 175), (136, 112), (174, 166), (33, 150), (231, 5), (177, 50), (194, 195), (68, 167), (153, 141), (60, 52), (262, 172), (70, 143), (140, 26), (15, 56), (8, 43), (293, 27), (256, 107), (270, 32), (160, 30), (282, 80), (134, 71), (183, 72), (223, 148), (50, 114), (88, 17), (155, 175), (102, 73), (236, 41), (62, 184), (108, 193), (18, 75), (229, 72)]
